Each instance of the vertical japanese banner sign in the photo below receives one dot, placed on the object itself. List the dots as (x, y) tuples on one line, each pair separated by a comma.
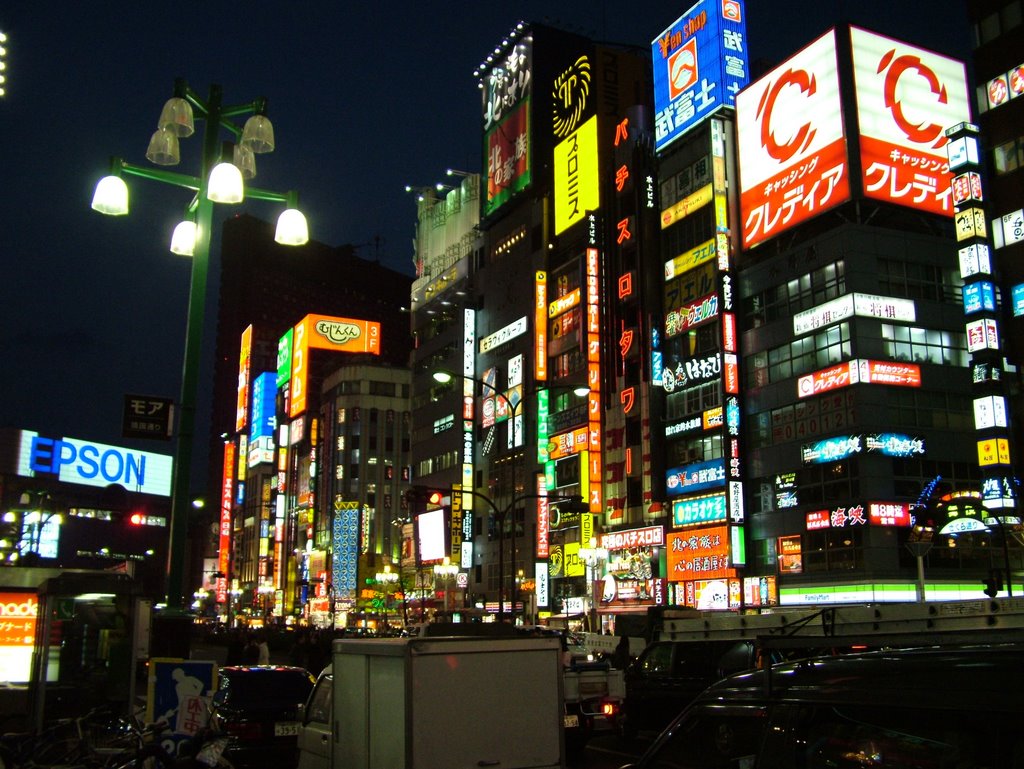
[(596, 491), (543, 520), (244, 363), (224, 540)]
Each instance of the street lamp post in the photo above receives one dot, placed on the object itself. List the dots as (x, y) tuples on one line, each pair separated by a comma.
[(444, 377), (387, 579), (216, 182), (592, 555), (446, 570), (265, 591)]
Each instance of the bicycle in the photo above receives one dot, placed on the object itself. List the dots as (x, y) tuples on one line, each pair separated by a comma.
[(61, 744), (202, 750)]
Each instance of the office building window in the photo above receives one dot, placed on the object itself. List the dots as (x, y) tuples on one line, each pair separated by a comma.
[(786, 299), (801, 356), (924, 345), (833, 549)]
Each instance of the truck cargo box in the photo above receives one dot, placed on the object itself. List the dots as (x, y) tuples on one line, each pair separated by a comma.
[(447, 703)]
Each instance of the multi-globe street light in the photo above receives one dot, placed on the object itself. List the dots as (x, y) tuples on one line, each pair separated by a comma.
[(592, 556), (446, 570), (388, 579), (444, 377), (223, 169)]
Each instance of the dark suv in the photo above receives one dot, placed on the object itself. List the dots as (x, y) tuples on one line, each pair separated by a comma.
[(668, 675), (258, 707)]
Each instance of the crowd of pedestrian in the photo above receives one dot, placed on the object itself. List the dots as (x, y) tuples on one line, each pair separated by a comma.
[(308, 648)]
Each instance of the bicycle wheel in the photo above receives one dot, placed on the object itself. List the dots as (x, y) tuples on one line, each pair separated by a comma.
[(148, 758), (60, 752)]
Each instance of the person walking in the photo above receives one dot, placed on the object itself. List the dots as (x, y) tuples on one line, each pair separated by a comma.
[(236, 644), (299, 654), (251, 651), (621, 656), (263, 655)]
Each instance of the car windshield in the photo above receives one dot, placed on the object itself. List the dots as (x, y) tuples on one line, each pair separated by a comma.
[(262, 686)]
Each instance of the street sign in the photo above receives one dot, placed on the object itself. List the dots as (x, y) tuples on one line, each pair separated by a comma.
[(146, 416)]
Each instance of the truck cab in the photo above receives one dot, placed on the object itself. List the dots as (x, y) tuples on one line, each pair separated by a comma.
[(315, 724)]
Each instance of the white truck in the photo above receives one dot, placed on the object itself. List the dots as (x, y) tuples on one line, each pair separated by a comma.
[(594, 693), (436, 703)]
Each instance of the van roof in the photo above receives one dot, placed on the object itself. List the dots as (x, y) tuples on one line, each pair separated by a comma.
[(926, 678)]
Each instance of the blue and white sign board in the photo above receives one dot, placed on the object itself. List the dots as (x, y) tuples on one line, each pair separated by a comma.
[(979, 296), (1017, 293), (700, 63), (262, 420), (94, 464), (695, 477)]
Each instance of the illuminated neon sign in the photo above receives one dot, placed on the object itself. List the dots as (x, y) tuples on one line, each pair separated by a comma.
[(906, 97), (95, 464), (699, 510), (699, 64), (701, 554), (831, 449), (695, 477), (792, 143)]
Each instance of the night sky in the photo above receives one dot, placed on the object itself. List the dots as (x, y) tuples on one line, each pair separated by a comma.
[(365, 98)]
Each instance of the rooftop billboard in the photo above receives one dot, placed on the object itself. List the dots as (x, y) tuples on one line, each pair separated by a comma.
[(906, 98), (506, 92), (700, 63), (322, 332), (792, 143)]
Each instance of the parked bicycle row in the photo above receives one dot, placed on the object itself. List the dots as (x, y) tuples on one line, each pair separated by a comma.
[(105, 739)]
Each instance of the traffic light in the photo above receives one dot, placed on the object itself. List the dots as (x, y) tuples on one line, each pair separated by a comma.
[(419, 497), (137, 519), (993, 584)]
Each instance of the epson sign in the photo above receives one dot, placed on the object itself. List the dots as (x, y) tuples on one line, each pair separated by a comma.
[(95, 464)]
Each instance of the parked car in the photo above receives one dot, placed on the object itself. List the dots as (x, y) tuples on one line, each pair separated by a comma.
[(905, 709), (258, 707), (668, 675)]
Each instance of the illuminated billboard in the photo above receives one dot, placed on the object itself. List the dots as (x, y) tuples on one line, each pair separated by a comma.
[(506, 90), (695, 477), (906, 98), (700, 62), (323, 332), (18, 612), (699, 510), (244, 358), (792, 145), (508, 158), (576, 177), (94, 464), (859, 371), (264, 391), (701, 554), (846, 306)]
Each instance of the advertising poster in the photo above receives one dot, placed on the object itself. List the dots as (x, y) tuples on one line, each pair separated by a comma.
[(906, 98), (792, 143), (179, 692)]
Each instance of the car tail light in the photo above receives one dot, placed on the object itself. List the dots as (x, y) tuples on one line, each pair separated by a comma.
[(244, 730), (608, 708)]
